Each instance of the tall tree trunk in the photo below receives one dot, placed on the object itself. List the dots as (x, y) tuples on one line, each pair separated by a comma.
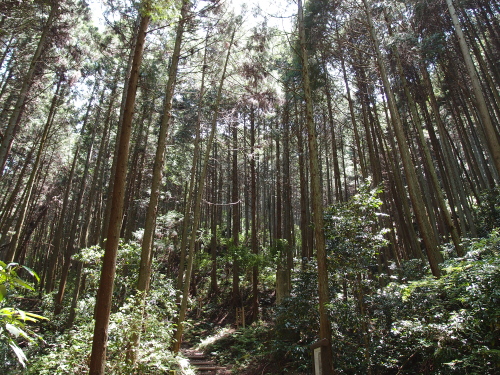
[(56, 101), (305, 229), (317, 200), (425, 149), (491, 133), (447, 158), (431, 242), (105, 292), (287, 201), (150, 225), (73, 234), (214, 288), (97, 169), (235, 210), (281, 271), (253, 214), (189, 196), (127, 78)]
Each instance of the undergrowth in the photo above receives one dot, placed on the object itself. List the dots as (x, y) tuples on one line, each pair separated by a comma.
[(440, 326)]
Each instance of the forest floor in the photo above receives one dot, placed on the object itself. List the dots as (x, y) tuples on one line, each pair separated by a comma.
[(211, 332), (233, 350)]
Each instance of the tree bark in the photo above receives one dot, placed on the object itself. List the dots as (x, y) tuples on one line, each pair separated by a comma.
[(56, 101), (253, 214), (235, 211), (431, 242), (316, 198), (425, 149), (105, 292), (491, 133), (109, 190), (73, 234), (189, 196)]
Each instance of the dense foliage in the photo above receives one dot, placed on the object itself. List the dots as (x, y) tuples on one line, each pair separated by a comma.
[(65, 349), (438, 326), (413, 324)]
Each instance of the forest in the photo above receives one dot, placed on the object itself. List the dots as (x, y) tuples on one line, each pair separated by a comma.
[(222, 187)]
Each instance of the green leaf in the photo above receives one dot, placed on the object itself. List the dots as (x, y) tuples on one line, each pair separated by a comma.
[(34, 317), (22, 283), (7, 311), (32, 273), (3, 292)]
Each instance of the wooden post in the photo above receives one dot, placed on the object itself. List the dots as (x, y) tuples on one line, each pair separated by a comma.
[(320, 357), (240, 317), (200, 307)]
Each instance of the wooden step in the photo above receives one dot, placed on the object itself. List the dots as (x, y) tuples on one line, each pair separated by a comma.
[(197, 357), (210, 368), (202, 363)]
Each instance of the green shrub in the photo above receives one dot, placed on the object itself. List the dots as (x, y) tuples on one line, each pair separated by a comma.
[(487, 213), (69, 352), (240, 347), (449, 325), (13, 327), (297, 321)]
